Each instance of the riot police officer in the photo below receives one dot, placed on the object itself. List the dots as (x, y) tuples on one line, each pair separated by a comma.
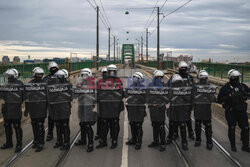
[(233, 96), (110, 104), (53, 68), (188, 81), (179, 109), (60, 97), (98, 126), (157, 109), (36, 106), (12, 94), (203, 97), (86, 94), (136, 100)]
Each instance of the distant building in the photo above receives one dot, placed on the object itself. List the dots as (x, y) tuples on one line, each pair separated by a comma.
[(37, 61), (6, 60), (16, 60), (28, 61)]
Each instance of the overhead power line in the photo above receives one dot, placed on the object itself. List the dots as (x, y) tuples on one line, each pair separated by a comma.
[(164, 16)]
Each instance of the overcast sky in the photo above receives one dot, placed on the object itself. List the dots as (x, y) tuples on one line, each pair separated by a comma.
[(219, 29)]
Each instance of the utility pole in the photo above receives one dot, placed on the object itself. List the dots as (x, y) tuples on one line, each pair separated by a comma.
[(109, 45), (114, 49), (141, 48), (158, 38), (97, 37), (146, 44), (117, 52)]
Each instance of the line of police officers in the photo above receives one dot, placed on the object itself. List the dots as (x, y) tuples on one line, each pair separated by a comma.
[(54, 93)]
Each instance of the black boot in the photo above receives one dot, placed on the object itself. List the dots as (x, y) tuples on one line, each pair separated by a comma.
[(190, 129), (34, 129), (114, 130), (104, 133), (245, 139), (8, 135), (66, 135), (41, 135), (98, 129), (231, 136), (50, 129), (59, 140), (175, 131), (132, 141), (162, 137), (155, 143), (82, 141), (90, 133), (51, 124), (139, 134), (197, 133), (19, 137), (184, 136), (208, 130), (170, 132)]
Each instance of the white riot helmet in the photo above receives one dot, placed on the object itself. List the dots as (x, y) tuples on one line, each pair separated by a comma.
[(112, 67), (112, 70), (60, 74), (203, 74), (37, 70), (12, 72), (104, 69), (66, 73), (52, 64), (138, 75), (86, 71), (182, 64), (176, 78), (158, 73), (229, 72), (234, 73)]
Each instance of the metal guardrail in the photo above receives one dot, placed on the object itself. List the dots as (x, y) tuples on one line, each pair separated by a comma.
[(221, 70)]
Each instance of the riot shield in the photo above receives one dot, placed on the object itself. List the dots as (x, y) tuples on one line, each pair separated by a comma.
[(204, 94), (11, 93), (110, 97), (59, 98), (136, 99), (86, 103), (36, 99), (181, 96), (157, 98)]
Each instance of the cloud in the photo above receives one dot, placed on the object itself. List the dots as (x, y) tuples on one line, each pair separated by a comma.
[(203, 25)]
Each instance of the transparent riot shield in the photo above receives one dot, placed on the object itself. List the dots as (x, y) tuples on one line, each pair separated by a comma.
[(204, 94), (135, 103), (59, 98), (36, 99), (86, 103), (110, 95), (157, 98), (181, 96)]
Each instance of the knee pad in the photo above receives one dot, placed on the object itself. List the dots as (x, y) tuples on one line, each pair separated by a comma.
[(40, 124), (231, 127), (65, 124), (182, 124)]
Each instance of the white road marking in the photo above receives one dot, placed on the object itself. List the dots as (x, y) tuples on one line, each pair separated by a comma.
[(124, 162)]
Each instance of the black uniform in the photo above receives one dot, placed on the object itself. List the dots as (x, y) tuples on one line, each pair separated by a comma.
[(50, 80), (86, 95), (60, 110), (98, 125), (203, 97), (179, 110), (188, 81), (157, 109), (36, 106), (12, 112), (136, 100), (233, 97), (110, 104)]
